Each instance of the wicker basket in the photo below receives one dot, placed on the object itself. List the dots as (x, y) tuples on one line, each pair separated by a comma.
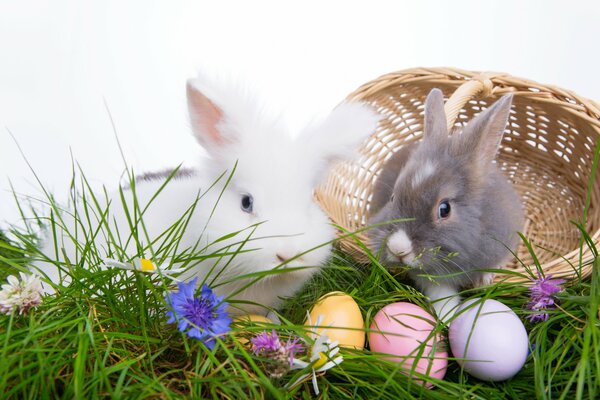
[(547, 152)]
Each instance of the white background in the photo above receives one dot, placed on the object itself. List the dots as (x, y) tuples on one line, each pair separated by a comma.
[(61, 60)]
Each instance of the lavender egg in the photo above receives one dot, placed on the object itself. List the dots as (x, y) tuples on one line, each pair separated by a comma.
[(488, 340)]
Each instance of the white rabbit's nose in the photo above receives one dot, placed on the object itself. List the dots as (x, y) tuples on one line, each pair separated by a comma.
[(284, 257), (399, 245)]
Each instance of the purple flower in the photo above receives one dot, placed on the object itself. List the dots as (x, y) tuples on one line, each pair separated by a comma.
[(281, 354), (293, 347), (203, 317), (265, 342), (542, 296), (544, 288)]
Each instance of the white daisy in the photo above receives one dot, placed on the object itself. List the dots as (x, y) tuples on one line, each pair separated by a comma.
[(143, 265), (20, 294), (323, 355)]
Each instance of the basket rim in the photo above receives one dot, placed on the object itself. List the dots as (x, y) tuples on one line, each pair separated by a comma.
[(502, 83)]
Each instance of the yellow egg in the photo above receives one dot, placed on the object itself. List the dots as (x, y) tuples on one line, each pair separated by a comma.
[(341, 318), (252, 318)]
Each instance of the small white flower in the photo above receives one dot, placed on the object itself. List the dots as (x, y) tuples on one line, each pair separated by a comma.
[(323, 354), (23, 294), (143, 265)]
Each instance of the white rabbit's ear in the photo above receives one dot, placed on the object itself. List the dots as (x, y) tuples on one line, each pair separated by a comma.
[(205, 117), (340, 134), (435, 117), (482, 136)]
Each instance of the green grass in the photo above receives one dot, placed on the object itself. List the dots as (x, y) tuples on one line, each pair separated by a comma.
[(9, 253), (105, 336)]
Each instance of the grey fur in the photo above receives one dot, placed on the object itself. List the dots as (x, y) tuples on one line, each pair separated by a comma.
[(164, 174), (182, 173), (486, 212)]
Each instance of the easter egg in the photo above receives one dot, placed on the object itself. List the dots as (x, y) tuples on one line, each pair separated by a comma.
[(340, 319), (400, 329), (488, 340), (253, 318)]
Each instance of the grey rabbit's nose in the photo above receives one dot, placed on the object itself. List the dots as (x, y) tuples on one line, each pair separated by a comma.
[(400, 246), (399, 243), (402, 257)]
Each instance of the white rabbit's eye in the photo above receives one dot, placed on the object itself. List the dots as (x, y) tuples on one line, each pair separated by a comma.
[(247, 202), (444, 209)]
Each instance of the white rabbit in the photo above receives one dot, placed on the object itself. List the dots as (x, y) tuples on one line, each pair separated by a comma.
[(270, 196)]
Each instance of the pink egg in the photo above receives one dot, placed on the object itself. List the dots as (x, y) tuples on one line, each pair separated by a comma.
[(400, 329), (488, 340)]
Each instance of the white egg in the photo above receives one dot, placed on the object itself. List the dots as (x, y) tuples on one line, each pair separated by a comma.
[(488, 340)]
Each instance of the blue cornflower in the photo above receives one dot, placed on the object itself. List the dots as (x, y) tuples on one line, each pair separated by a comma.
[(203, 317)]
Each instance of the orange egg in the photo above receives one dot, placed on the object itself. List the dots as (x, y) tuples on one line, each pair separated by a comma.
[(340, 318)]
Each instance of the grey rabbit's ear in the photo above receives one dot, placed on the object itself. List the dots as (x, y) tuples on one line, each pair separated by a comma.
[(435, 116), (484, 133)]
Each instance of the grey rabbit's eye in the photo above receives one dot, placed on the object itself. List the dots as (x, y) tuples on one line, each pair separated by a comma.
[(247, 203), (444, 209), (392, 198)]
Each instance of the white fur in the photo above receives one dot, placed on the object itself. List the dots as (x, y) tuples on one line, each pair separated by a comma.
[(400, 245), (423, 173), (279, 172), (444, 299)]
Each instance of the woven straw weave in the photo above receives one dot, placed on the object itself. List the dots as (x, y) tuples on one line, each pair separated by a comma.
[(547, 152)]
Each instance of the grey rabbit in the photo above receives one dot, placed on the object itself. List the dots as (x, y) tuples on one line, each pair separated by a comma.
[(461, 215)]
